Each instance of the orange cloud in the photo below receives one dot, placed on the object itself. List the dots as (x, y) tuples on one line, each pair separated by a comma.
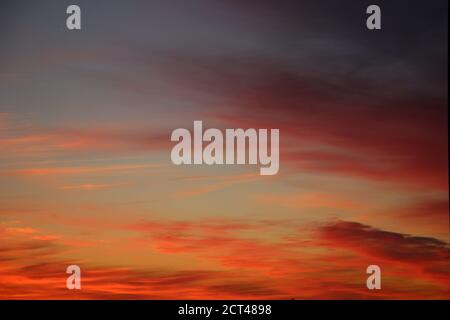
[(30, 141), (310, 200), (89, 186), (220, 182), (80, 170)]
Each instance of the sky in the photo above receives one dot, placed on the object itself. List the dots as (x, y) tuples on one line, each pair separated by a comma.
[(86, 176)]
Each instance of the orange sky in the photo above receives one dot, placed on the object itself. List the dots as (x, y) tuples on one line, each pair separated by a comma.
[(86, 176)]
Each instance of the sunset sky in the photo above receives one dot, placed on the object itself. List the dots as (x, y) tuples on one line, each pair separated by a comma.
[(86, 176)]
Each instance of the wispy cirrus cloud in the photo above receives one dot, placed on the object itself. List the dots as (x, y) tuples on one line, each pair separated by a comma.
[(18, 140), (80, 169), (90, 186)]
